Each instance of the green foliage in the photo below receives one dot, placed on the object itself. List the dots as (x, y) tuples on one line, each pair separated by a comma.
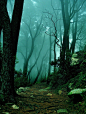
[(81, 80), (1, 54), (20, 80), (78, 81), (51, 78), (56, 79), (16, 61), (43, 79), (83, 66), (38, 82), (85, 55), (1, 98), (75, 74)]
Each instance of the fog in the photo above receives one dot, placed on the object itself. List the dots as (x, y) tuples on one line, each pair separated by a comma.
[(34, 37)]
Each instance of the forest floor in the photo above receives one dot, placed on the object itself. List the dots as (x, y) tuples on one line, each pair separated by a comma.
[(38, 100)]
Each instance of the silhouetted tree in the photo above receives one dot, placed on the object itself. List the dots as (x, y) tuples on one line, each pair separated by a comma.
[(10, 39), (69, 9), (74, 33), (27, 55), (49, 70)]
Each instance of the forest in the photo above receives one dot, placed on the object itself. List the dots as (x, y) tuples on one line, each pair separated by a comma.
[(42, 56)]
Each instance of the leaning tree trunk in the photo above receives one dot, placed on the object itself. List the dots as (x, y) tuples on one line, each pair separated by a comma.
[(15, 27)]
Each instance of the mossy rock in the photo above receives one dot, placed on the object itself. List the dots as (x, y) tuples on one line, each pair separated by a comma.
[(76, 95), (60, 111)]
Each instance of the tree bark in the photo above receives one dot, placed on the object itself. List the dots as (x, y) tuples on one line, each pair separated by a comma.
[(65, 45), (7, 53), (15, 27), (49, 70), (10, 39), (74, 33)]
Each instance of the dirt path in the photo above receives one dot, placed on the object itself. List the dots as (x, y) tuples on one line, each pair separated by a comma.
[(38, 100)]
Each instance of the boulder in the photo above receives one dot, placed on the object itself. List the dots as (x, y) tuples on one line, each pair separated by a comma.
[(43, 90), (76, 95), (74, 59), (15, 106), (62, 111), (22, 89)]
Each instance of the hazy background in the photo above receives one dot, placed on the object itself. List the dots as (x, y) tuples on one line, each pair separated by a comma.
[(36, 16)]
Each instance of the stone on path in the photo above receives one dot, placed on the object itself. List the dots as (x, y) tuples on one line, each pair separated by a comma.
[(62, 111)]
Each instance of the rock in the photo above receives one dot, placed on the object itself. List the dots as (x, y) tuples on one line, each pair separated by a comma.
[(62, 111), (22, 89), (76, 95), (74, 59), (32, 96), (49, 94), (47, 88), (42, 90), (60, 92), (15, 106), (77, 91)]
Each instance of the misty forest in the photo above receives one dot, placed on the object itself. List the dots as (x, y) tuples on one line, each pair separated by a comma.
[(42, 56)]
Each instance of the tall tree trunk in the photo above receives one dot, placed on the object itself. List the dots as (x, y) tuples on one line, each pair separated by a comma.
[(7, 53), (74, 33), (15, 27), (10, 38), (55, 55), (49, 70), (25, 67), (65, 45)]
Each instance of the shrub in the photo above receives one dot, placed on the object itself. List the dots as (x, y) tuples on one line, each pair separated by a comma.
[(20, 80)]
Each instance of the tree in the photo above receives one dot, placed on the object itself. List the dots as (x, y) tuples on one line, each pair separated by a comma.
[(40, 69), (33, 37), (36, 61), (53, 32), (69, 9), (74, 33), (49, 70), (10, 39)]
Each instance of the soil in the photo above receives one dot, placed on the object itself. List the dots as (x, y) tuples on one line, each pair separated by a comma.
[(34, 101)]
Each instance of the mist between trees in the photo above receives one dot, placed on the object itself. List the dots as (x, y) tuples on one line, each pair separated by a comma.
[(33, 34)]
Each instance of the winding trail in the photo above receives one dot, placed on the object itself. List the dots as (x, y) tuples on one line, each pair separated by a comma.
[(39, 99)]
